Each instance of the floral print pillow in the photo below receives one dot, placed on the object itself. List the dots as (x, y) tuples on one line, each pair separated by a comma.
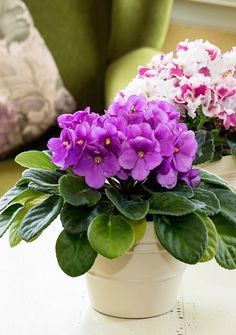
[(31, 90)]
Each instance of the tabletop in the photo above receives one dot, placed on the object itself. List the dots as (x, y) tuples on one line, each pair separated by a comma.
[(37, 298)]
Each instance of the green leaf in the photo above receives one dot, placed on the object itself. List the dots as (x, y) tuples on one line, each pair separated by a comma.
[(43, 178), (14, 237), (206, 146), (208, 199), (75, 191), (35, 159), (26, 196), (75, 255), (183, 237), (211, 178), (226, 251), (227, 201), (218, 153), (212, 239), (111, 236), (169, 203), (231, 141), (39, 217), (132, 209), (10, 196), (183, 189), (77, 219), (139, 228), (22, 182), (7, 217), (44, 189)]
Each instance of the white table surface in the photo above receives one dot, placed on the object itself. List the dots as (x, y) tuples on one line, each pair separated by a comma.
[(37, 298)]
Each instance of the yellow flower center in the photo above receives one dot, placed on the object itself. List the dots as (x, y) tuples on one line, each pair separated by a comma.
[(177, 150), (133, 110), (80, 142), (108, 141), (98, 159), (65, 143), (141, 154)]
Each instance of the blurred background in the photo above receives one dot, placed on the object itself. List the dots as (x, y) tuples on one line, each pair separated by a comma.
[(213, 20), (60, 56)]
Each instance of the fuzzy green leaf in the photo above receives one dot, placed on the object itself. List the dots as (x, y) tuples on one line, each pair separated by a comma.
[(132, 209), (183, 237), (10, 196), (210, 203), (7, 217), (14, 237), (206, 146), (74, 253), (77, 219), (183, 189), (39, 217), (169, 203), (226, 251), (111, 236), (227, 201), (75, 191), (211, 178), (212, 243), (43, 178), (35, 159)]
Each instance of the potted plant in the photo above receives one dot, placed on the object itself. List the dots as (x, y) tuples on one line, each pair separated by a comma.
[(130, 203), (201, 81)]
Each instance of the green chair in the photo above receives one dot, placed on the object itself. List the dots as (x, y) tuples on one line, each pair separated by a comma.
[(97, 46)]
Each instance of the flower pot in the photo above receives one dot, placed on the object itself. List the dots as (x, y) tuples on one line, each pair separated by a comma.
[(224, 168), (143, 283)]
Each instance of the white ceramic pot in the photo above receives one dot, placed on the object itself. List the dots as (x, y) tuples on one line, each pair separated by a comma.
[(143, 283), (224, 168)]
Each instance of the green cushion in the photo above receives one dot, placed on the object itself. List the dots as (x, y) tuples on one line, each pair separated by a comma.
[(10, 172), (77, 33), (85, 35), (121, 71), (138, 23)]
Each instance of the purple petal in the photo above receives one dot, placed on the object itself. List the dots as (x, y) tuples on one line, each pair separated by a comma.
[(128, 159), (95, 177), (152, 160), (85, 163), (110, 165), (187, 143), (142, 144), (140, 172), (182, 162), (168, 180), (167, 148)]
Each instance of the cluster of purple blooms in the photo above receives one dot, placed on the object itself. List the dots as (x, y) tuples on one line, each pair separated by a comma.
[(131, 139)]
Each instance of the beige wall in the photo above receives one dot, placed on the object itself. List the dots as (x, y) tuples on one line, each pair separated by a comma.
[(178, 32)]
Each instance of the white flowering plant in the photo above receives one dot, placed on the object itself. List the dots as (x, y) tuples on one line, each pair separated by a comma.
[(200, 81)]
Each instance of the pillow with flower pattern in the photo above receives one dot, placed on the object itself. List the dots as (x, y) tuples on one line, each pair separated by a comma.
[(31, 90)]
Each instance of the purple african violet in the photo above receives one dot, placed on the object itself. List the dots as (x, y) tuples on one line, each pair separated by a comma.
[(130, 140)]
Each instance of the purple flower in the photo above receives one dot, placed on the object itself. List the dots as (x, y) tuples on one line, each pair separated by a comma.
[(62, 149), (170, 110), (107, 136), (130, 140), (185, 151), (165, 137), (72, 120), (132, 110), (192, 177), (167, 175), (140, 155), (155, 115), (96, 165)]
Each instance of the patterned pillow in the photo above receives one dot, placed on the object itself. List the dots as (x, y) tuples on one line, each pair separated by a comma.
[(31, 90)]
